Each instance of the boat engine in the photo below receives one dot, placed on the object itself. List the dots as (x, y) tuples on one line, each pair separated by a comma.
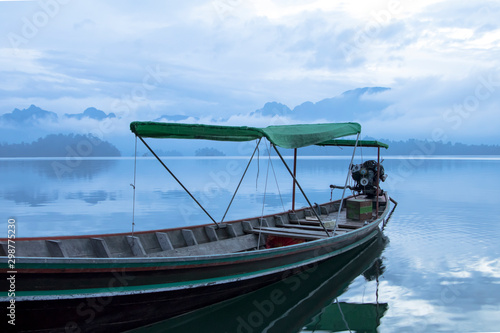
[(365, 176)]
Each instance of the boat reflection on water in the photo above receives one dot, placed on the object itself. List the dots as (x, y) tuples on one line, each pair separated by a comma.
[(304, 301)]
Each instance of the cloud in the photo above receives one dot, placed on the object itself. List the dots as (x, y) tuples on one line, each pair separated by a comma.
[(222, 58)]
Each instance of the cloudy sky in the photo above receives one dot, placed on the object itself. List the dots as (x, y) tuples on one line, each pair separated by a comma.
[(221, 58)]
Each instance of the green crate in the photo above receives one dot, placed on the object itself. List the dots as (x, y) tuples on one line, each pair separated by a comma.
[(359, 209)]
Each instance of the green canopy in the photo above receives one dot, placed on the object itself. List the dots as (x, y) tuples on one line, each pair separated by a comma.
[(285, 136), (352, 143), (149, 129)]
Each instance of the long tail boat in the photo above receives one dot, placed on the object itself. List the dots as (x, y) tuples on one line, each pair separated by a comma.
[(112, 282)]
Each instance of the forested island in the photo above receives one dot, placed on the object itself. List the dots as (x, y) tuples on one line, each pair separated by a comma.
[(61, 145), (161, 152), (408, 148), (64, 145), (208, 151), (439, 148)]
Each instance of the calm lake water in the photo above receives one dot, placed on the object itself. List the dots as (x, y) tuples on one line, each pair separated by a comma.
[(438, 271)]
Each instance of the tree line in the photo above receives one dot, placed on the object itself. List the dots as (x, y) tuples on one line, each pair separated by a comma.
[(60, 145)]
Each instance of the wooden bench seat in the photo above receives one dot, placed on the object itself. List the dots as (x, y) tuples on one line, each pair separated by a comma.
[(316, 228), (349, 225), (291, 233)]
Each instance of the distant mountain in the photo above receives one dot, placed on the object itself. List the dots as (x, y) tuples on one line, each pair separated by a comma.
[(272, 109), (174, 118), (32, 123), (60, 145), (91, 113), (33, 115), (208, 151), (30, 116), (350, 106)]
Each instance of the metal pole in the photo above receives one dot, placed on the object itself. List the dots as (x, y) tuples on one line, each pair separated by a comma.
[(178, 181), (301, 190), (345, 186), (294, 177), (378, 180), (237, 187), (133, 186)]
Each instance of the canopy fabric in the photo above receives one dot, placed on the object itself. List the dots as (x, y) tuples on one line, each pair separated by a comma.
[(149, 129), (296, 136), (285, 136), (351, 143)]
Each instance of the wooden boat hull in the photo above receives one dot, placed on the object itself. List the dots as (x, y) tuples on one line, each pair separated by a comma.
[(289, 305), (108, 294)]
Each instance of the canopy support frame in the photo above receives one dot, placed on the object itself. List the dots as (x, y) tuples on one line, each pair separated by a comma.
[(378, 180), (301, 190), (177, 180), (133, 186), (294, 176), (241, 180), (345, 186)]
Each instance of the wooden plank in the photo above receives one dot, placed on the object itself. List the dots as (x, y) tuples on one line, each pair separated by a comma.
[(281, 233), (211, 233), (292, 216), (314, 218), (231, 231), (350, 226), (136, 246), (305, 227), (263, 222), (100, 247), (230, 245), (189, 237), (56, 248), (310, 227), (279, 220), (247, 226), (330, 224), (304, 222), (296, 231), (164, 241)]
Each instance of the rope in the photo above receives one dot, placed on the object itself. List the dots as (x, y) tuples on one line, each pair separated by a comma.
[(301, 190), (267, 177), (264, 198), (258, 167), (276, 180), (133, 186), (243, 176)]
